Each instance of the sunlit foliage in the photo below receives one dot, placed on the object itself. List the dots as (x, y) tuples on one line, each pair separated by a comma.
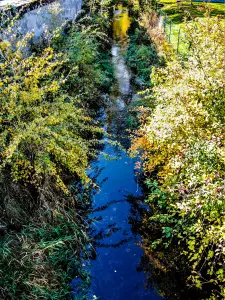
[(181, 142), (48, 135)]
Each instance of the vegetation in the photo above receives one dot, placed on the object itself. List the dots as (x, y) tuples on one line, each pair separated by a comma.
[(48, 136), (50, 95), (41, 261), (177, 11), (181, 143), (141, 55), (174, 14)]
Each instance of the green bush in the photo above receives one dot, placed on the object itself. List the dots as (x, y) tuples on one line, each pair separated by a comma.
[(182, 144), (48, 100), (141, 55), (41, 260)]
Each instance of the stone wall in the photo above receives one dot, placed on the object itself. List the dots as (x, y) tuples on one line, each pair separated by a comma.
[(10, 8)]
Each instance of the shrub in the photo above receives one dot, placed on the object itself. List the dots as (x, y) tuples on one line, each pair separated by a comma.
[(182, 144), (141, 55), (48, 136)]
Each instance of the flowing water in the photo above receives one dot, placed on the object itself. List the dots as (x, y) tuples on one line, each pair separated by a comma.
[(114, 272), (121, 23)]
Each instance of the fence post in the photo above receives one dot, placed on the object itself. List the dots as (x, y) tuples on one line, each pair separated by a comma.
[(164, 23), (170, 31), (178, 41)]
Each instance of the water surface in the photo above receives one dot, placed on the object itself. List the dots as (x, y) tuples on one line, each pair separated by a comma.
[(114, 273), (121, 23)]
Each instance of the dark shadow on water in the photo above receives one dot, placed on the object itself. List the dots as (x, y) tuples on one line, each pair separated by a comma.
[(114, 267), (165, 269), (114, 256)]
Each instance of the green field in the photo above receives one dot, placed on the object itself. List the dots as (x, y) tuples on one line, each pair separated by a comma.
[(175, 13), (178, 11)]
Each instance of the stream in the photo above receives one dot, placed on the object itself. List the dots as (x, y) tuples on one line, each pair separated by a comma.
[(114, 273)]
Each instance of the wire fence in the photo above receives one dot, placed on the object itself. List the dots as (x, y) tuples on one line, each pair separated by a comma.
[(174, 33)]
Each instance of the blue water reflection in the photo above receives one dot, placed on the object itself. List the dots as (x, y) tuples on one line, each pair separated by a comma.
[(114, 272)]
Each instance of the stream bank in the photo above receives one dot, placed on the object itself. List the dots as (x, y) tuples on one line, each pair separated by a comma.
[(44, 206), (184, 229), (114, 274)]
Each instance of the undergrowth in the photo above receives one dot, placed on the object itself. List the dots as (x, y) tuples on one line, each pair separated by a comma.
[(49, 134)]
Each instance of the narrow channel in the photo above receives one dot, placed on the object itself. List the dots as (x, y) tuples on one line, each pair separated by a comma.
[(114, 274)]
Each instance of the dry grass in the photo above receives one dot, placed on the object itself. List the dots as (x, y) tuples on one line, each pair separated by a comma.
[(150, 21)]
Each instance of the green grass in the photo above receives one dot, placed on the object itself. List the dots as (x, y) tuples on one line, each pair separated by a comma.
[(182, 46), (176, 13)]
